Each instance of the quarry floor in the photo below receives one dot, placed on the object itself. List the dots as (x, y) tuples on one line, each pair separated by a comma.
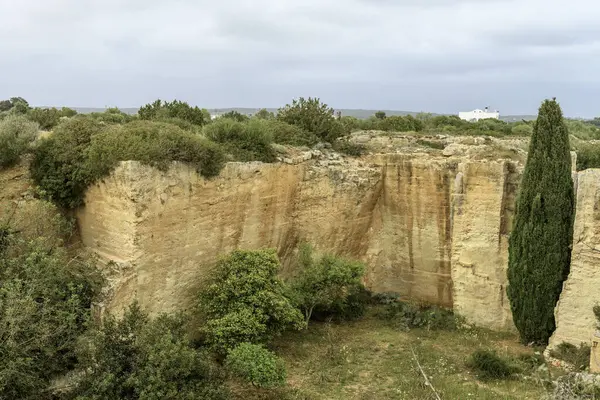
[(369, 359)]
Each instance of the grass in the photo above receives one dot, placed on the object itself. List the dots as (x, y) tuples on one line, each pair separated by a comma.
[(370, 359)]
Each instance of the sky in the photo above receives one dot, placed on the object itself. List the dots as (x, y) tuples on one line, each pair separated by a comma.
[(440, 56)]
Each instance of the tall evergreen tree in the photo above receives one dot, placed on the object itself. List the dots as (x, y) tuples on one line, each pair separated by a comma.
[(539, 252)]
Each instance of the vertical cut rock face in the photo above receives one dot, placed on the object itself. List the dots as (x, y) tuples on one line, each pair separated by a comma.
[(575, 321), (430, 228)]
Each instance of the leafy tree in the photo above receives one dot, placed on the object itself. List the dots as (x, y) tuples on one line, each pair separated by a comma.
[(67, 112), (235, 115), (327, 283), (20, 106), (264, 114), (16, 134), (137, 357), (47, 118), (380, 115), (257, 365), (244, 301), (539, 246), (160, 110), (313, 116), (45, 298), (5, 105), (522, 130)]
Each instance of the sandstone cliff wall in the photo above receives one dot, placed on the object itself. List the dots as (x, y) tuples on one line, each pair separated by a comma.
[(431, 228), (575, 321)]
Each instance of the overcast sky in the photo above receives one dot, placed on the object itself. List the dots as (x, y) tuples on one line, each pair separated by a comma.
[(416, 55)]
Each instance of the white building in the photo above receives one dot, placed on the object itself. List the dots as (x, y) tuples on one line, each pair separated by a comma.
[(476, 115)]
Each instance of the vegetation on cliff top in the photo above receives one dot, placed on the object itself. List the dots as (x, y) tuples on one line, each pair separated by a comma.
[(539, 251)]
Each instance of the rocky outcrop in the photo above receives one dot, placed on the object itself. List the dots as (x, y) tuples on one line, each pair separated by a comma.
[(575, 321), (429, 227)]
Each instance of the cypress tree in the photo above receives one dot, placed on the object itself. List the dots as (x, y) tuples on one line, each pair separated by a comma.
[(540, 242)]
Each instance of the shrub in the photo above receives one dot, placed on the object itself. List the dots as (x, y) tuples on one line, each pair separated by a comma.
[(313, 116), (137, 357), (576, 386), (522, 130), (47, 118), (235, 115), (16, 134), (160, 110), (351, 124), (59, 166), (81, 151), (249, 141), (244, 301), (431, 144), (539, 245), (263, 113), (329, 285), (488, 365), (45, 299), (284, 133), (349, 148), (111, 115), (578, 357), (588, 155), (409, 316), (380, 115), (256, 365)]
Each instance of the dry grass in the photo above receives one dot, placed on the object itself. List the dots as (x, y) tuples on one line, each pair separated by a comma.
[(369, 359)]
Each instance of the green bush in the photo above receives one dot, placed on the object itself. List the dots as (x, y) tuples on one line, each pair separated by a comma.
[(250, 141), (137, 357), (522, 130), (578, 357), (47, 118), (409, 316), (284, 133), (329, 287), (81, 150), (314, 117), (236, 116), (112, 116), (345, 146), (540, 242), (263, 113), (159, 111), (256, 365), (588, 155), (244, 301), (488, 365), (16, 134), (45, 299)]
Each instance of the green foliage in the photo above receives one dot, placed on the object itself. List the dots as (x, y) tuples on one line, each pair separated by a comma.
[(141, 358), (244, 301), (582, 130), (236, 116), (112, 115), (351, 124), (488, 365), (60, 167), (47, 118), (345, 146), (250, 141), (588, 155), (410, 316), (539, 246), (16, 106), (397, 123), (263, 113), (431, 144), (314, 117), (68, 112), (284, 133), (160, 111), (522, 130), (576, 386), (380, 115), (578, 357), (5, 105), (81, 151), (329, 287), (16, 134), (45, 298), (257, 365)]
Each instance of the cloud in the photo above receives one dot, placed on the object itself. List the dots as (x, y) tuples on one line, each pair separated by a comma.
[(262, 53)]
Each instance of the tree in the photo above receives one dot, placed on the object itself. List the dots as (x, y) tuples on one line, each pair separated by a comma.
[(159, 110), (236, 116), (47, 118), (264, 114), (137, 357), (327, 283), (380, 115), (5, 105), (245, 301), (539, 245), (313, 116), (16, 134)]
